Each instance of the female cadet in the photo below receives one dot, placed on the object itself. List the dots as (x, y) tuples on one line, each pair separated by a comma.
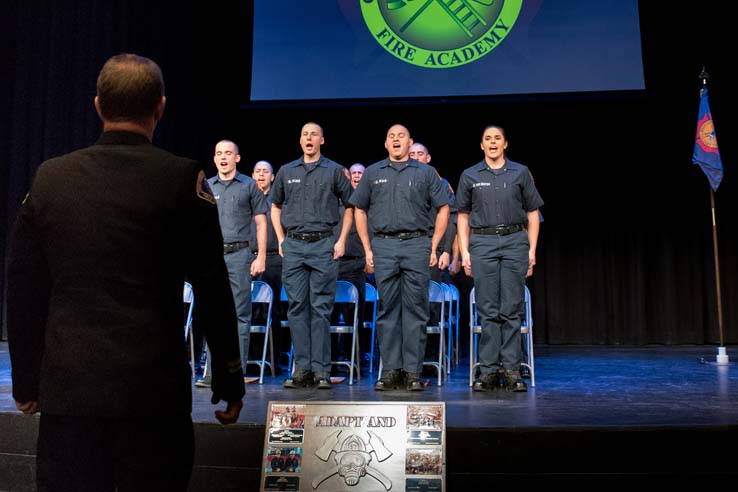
[(498, 231)]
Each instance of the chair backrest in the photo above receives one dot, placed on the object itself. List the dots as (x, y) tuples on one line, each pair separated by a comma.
[(370, 293), (346, 292), (447, 293), (188, 297), (261, 292), (436, 293), (454, 292), (527, 322), (283, 294), (473, 308)]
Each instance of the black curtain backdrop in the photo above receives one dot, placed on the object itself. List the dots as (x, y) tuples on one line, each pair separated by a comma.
[(625, 254)]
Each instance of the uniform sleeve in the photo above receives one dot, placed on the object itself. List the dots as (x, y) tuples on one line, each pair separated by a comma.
[(27, 303), (438, 196), (276, 194), (451, 197), (531, 199), (343, 185), (207, 273), (463, 194)]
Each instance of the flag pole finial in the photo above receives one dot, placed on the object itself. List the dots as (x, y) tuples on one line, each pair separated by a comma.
[(704, 76)]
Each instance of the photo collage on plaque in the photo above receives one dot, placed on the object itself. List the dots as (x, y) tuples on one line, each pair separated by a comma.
[(424, 452), (283, 456)]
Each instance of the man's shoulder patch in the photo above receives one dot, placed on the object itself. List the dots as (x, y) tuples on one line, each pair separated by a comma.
[(203, 189)]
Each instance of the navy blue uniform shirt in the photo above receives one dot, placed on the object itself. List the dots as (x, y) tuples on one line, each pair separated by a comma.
[(400, 200), (497, 196), (238, 201), (309, 194)]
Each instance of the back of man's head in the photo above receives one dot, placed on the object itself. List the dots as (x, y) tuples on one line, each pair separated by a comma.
[(129, 88)]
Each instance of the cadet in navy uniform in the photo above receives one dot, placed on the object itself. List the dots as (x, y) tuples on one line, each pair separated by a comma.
[(498, 205), (240, 205), (305, 198), (420, 153), (263, 174), (395, 198), (351, 265), (95, 313)]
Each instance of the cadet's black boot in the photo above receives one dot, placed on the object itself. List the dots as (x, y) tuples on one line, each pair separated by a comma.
[(513, 382), (390, 380), (486, 382), (323, 381), (413, 382), (300, 379)]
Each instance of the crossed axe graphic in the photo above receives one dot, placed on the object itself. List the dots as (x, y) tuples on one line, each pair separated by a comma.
[(447, 5)]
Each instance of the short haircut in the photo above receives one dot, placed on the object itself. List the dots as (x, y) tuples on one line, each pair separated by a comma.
[(129, 88), (266, 164), (235, 145)]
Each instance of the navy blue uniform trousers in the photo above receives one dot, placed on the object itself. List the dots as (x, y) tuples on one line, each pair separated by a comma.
[(499, 265), (309, 275), (401, 273)]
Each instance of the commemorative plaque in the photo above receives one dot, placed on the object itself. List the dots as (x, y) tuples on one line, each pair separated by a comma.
[(356, 446)]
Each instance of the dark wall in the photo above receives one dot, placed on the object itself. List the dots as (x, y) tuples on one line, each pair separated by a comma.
[(625, 255)]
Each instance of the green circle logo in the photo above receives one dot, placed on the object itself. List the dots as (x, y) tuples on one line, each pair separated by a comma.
[(440, 33)]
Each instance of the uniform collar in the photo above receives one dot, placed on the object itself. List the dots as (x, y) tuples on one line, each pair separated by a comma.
[(301, 161), (237, 177), (410, 162), (122, 138), (509, 165)]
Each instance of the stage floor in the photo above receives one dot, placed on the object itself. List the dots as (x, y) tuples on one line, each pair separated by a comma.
[(576, 386)]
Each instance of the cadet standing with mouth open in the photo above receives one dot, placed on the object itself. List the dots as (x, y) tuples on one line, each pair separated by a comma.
[(305, 200)]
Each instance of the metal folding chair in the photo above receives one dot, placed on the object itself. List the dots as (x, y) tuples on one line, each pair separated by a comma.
[(372, 296), (526, 329), (189, 299), (261, 293), (345, 292)]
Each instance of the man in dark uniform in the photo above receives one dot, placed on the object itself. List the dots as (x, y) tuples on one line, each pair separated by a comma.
[(351, 264), (439, 272), (395, 198), (420, 153), (98, 258), (240, 203), (263, 174), (305, 198), (277, 463)]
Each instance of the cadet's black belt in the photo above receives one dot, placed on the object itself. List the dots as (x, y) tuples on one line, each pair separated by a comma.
[(500, 230), (309, 237), (231, 247), (401, 235)]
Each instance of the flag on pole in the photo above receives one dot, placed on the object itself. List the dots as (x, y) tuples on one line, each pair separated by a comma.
[(706, 153)]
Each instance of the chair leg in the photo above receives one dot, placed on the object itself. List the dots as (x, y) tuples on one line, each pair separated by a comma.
[(531, 359), (271, 353), (441, 355), (353, 353), (472, 356), (455, 333), (371, 351)]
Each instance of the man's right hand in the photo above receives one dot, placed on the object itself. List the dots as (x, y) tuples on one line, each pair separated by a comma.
[(369, 268), (231, 413), (28, 407)]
